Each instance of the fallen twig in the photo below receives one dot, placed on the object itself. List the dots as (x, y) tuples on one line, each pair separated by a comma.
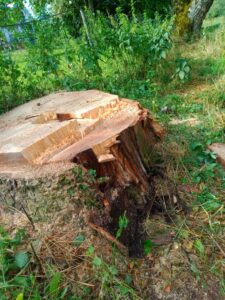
[(28, 216), (37, 259), (109, 237)]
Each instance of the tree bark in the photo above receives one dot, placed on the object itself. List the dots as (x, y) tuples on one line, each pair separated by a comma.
[(197, 13), (90, 5), (190, 15)]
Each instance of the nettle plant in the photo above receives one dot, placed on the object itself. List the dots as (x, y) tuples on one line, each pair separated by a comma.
[(205, 161), (104, 39), (183, 70), (206, 169)]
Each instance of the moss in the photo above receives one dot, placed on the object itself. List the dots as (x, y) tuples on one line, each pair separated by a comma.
[(183, 25)]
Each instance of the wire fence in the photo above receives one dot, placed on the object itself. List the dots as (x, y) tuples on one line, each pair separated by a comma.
[(35, 20), (34, 58), (21, 35)]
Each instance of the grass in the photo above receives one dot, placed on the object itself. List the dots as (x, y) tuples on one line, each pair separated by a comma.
[(197, 256), (214, 21), (187, 158)]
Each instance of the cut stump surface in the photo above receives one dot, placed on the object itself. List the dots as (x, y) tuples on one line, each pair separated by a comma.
[(57, 127)]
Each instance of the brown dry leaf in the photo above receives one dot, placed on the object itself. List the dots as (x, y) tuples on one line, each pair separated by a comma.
[(167, 289), (188, 188), (163, 239), (188, 245), (150, 257), (131, 265)]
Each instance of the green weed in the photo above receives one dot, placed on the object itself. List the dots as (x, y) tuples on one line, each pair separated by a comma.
[(111, 284)]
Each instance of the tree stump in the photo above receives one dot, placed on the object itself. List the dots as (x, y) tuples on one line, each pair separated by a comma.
[(41, 142), (219, 150)]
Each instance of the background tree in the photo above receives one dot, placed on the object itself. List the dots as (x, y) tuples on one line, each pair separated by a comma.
[(190, 15), (197, 13), (70, 10)]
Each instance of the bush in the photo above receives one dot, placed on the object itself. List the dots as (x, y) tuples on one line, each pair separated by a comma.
[(124, 40), (117, 54)]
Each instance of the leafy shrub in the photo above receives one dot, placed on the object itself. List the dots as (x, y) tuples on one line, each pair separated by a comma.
[(183, 70), (9, 74), (118, 54), (119, 47)]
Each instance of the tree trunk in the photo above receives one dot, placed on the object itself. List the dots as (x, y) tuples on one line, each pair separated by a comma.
[(190, 15), (90, 5), (197, 13)]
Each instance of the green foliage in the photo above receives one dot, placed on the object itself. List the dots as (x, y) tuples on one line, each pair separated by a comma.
[(123, 223), (111, 283), (206, 160), (97, 262), (209, 201), (148, 245), (199, 247), (78, 240), (42, 58), (90, 250), (54, 285), (195, 271), (217, 9), (20, 296), (17, 279), (183, 70), (119, 47), (13, 265), (128, 55), (13, 14), (9, 74), (70, 10), (21, 259), (121, 36)]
